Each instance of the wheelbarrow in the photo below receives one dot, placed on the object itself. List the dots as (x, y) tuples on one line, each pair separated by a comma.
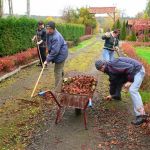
[(71, 99)]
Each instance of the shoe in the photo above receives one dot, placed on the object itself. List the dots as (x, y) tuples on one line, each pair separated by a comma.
[(139, 120)]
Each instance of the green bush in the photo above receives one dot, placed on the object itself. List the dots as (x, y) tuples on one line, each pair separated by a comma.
[(71, 32), (16, 34), (123, 31)]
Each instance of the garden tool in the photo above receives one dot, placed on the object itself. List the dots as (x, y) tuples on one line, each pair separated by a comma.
[(117, 51), (38, 80), (38, 50), (39, 54)]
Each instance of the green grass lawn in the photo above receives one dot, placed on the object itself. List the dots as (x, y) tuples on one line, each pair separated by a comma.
[(143, 52), (145, 96)]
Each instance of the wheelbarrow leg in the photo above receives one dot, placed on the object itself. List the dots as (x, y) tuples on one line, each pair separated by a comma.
[(85, 120), (85, 116), (58, 115)]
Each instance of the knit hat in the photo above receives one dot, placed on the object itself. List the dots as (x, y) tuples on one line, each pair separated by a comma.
[(99, 64), (51, 24)]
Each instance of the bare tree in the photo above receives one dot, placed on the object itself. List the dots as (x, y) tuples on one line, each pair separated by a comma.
[(28, 8), (10, 7), (1, 8)]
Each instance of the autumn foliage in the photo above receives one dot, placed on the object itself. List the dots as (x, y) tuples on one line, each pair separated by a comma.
[(8, 63)]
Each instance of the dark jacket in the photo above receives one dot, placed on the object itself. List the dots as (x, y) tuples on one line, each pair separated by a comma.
[(121, 70), (41, 35), (110, 42), (57, 48)]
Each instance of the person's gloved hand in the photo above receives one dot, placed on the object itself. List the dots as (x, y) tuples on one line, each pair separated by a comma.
[(127, 85), (45, 63), (109, 97), (38, 43), (116, 48), (33, 39)]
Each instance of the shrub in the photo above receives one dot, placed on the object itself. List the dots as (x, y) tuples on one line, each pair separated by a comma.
[(1, 66), (71, 32), (7, 64), (133, 36), (16, 34), (137, 43)]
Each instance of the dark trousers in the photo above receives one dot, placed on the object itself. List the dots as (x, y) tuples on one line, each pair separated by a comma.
[(42, 51), (116, 90)]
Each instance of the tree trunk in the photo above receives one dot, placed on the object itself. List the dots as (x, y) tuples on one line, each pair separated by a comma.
[(10, 7), (1, 8), (28, 8)]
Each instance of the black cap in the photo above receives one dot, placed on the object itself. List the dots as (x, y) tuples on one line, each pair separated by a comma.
[(51, 24)]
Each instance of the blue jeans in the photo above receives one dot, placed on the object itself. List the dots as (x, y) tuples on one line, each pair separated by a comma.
[(134, 93), (108, 55)]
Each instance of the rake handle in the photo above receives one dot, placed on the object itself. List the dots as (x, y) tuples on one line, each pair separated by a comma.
[(38, 81)]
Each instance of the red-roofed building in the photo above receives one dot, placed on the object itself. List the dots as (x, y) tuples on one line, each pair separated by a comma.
[(101, 10), (138, 25)]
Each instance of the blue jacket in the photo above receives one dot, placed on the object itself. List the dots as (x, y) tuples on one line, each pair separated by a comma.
[(123, 66), (57, 48)]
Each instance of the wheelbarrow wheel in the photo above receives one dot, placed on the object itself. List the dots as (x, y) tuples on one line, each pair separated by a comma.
[(77, 111)]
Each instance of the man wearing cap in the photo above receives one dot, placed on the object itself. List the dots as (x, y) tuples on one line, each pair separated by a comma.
[(110, 45), (40, 38), (127, 72), (57, 50)]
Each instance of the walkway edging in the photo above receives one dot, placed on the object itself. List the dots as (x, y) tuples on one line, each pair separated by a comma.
[(17, 70)]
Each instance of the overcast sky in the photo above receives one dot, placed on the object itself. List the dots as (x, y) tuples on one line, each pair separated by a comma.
[(55, 7)]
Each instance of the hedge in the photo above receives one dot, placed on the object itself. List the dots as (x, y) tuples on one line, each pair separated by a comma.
[(71, 32), (16, 34)]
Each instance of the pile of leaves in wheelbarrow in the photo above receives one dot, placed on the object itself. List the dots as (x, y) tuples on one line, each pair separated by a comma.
[(81, 84)]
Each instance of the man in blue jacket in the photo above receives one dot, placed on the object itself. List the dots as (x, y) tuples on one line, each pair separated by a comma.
[(127, 72), (57, 50)]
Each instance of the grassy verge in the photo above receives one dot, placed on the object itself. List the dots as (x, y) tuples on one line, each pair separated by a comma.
[(82, 45), (145, 96), (143, 52)]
